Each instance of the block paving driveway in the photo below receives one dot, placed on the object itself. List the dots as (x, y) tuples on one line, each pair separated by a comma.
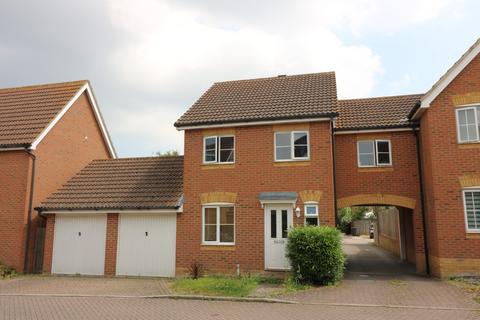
[(377, 286)]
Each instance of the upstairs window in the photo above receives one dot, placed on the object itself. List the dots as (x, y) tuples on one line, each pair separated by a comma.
[(292, 145), (472, 210), (373, 153), (468, 122), (219, 149)]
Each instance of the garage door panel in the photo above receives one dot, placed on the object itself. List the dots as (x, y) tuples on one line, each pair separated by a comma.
[(146, 245), (79, 244)]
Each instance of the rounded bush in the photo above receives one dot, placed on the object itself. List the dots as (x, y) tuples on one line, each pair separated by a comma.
[(316, 254)]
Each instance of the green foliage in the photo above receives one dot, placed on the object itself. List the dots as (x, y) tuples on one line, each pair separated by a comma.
[(169, 153), (293, 285), (349, 214), (217, 286), (316, 254), (6, 272)]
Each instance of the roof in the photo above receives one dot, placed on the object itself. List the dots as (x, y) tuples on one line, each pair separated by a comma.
[(448, 77), (265, 99), (128, 183), (28, 113), (375, 113)]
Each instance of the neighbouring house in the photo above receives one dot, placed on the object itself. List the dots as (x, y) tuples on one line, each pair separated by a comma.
[(47, 134), (262, 155)]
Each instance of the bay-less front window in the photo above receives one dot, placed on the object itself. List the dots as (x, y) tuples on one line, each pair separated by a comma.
[(219, 149), (291, 145), (373, 153), (218, 225), (472, 210), (311, 215), (468, 124)]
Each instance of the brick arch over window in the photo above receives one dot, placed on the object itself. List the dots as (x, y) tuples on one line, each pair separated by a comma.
[(376, 199)]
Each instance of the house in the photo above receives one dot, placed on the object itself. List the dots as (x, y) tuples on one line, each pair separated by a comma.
[(262, 155), (47, 133)]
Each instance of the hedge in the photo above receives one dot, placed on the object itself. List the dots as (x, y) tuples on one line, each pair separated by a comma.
[(316, 254)]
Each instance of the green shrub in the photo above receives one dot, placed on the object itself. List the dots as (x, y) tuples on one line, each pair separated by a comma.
[(6, 272), (316, 254)]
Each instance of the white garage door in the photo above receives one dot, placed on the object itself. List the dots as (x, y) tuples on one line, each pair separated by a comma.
[(79, 244), (146, 245)]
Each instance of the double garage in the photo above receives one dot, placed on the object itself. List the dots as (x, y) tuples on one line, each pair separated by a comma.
[(145, 244)]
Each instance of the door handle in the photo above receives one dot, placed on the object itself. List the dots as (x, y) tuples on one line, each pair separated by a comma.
[(146, 233), (79, 234)]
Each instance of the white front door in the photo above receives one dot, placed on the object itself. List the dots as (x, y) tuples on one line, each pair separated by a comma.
[(79, 244), (146, 244), (278, 219)]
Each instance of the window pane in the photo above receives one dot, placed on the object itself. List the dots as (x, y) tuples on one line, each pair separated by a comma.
[(383, 146), (210, 216), (301, 151), (227, 142), (282, 139), (273, 224), (383, 158), (226, 156), (283, 153), (300, 138), (472, 132), (463, 133), (365, 147), (470, 116), (227, 233), (210, 233), (472, 206), (311, 221), (210, 143), (311, 210), (210, 155), (462, 117), (284, 224), (226, 215), (367, 159)]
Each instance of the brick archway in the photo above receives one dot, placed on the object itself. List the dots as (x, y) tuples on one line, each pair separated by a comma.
[(376, 199)]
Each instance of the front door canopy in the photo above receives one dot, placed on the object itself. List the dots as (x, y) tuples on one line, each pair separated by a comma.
[(278, 197)]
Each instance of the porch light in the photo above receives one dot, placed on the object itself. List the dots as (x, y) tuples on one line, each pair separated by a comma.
[(297, 212)]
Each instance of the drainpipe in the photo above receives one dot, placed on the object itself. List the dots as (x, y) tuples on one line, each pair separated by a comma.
[(416, 126), (30, 210), (332, 125)]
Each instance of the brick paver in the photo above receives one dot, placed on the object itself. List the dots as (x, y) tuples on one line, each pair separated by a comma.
[(53, 308), (376, 277), (85, 286)]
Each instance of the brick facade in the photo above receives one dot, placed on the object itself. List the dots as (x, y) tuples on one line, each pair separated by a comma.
[(254, 171), (448, 165), (71, 144)]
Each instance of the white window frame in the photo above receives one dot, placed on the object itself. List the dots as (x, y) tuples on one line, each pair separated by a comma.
[(317, 215), (375, 153), (217, 149), (475, 108), (476, 189), (292, 146), (217, 206)]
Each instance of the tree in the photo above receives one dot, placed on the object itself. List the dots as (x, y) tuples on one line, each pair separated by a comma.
[(169, 153)]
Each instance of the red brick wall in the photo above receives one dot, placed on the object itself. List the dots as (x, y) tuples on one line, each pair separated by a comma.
[(62, 153), (48, 248), (14, 189), (400, 179), (445, 161), (111, 244), (254, 172)]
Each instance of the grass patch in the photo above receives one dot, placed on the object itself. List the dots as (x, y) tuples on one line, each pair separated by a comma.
[(216, 286), (292, 285), (469, 284)]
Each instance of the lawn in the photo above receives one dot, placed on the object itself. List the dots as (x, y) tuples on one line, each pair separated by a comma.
[(233, 286), (469, 284)]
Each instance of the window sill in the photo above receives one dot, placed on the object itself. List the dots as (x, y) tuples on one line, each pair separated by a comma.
[(473, 234), (376, 169), (207, 166), (217, 247), (469, 145), (292, 163)]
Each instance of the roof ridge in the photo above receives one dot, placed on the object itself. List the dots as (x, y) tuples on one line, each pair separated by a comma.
[(138, 158), (281, 76), (44, 85), (383, 97)]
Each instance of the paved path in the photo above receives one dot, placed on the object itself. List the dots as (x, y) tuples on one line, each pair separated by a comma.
[(377, 277), (54, 308)]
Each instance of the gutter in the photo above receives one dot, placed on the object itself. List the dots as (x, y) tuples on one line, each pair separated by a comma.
[(416, 125), (332, 129), (30, 211)]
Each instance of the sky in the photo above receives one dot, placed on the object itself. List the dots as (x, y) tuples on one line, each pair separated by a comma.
[(150, 60)]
